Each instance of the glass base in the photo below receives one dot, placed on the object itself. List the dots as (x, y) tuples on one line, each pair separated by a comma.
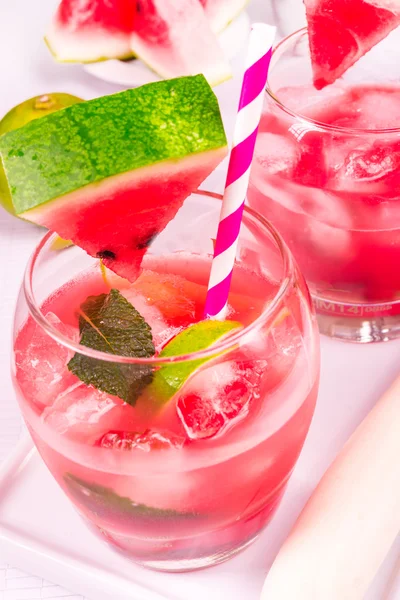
[(189, 554), (194, 564), (359, 329), (180, 564), (197, 551)]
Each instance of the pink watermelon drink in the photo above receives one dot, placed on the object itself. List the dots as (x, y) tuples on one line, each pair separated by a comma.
[(326, 172), (178, 458)]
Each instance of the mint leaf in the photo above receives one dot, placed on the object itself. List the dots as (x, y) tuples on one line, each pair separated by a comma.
[(109, 323), (106, 503)]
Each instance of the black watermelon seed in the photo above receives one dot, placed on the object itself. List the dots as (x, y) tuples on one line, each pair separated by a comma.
[(146, 241), (106, 254)]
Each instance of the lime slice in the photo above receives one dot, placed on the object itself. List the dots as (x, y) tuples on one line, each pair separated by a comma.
[(197, 337), (24, 113), (34, 108)]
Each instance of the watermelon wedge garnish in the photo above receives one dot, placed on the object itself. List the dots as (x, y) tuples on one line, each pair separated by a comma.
[(174, 37), (221, 12), (109, 174), (91, 30), (341, 32)]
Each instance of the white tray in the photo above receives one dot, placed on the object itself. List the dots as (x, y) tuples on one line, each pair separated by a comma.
[(41, 533), (135, 72)]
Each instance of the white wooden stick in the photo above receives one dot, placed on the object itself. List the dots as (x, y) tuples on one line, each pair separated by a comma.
[(393, 583), (351, 520)]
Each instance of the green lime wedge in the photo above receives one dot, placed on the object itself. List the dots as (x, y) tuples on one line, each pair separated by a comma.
[(34, 108), (200, 336), (24, 113)]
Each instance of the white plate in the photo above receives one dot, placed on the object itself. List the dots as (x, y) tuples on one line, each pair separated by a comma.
[(134, 72), (42, 534)]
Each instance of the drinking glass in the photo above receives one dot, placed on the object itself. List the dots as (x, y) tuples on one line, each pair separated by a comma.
[(173, 492), (326, 173)]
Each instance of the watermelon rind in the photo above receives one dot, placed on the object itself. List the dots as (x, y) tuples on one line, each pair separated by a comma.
[(91, 30), (172, 37), (91, 141), (72, 47), (391, 5), (178, 40), (221, 13)]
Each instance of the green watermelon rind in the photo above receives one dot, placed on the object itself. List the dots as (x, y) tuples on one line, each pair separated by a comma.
[(87, 143), (85, 61), (67, 204), (230, 19)]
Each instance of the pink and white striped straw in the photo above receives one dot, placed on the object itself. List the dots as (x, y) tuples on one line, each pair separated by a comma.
[(237, 181)]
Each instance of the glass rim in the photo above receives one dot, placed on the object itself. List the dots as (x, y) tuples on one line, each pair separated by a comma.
[(228, 343), (318, 125)]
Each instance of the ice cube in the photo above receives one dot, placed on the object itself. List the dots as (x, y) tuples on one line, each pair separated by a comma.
[(275, 153), (162, 332), (375, 109), (392, 5), (214, 399), (179, 300), (41, 368), (363, 168), (331, 242), (319, 105), (325, 207), (146, 441), (271, 354), (84, 413), (370, 163)]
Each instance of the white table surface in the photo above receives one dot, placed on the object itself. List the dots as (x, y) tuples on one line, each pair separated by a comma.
[(26, 69)]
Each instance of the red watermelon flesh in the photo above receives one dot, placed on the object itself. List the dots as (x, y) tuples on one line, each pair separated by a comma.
[(342, 31), (174, 38), (91, 30), (118, 221)]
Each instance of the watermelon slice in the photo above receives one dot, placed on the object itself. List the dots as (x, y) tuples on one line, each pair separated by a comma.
[(174, 37), (221, 12), (91, 30), (341, 32), (109, 174)]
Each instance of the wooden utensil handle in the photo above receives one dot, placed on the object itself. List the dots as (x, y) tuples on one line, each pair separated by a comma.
[(352, 518)]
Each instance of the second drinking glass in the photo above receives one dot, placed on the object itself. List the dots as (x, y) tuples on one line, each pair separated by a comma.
[(326, 173)]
